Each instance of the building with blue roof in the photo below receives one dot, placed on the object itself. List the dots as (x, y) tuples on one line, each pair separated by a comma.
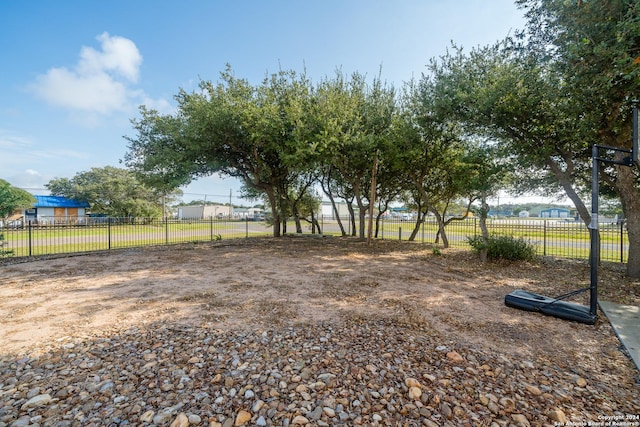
[(56, 209)]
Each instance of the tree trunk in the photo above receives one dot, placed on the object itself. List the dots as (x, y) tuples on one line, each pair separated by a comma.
[(327, 191), (362, 213), (441, 231), (296, 218), (275, 211), (313, 222), (378, 220), (416, 228), (352, 218), (567, 186), (336, 213), (630, 199)]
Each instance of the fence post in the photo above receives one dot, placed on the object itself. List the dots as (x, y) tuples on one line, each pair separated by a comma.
[(399, 233), (246, 227), (109, 233), (166, 230), (30, 250), (211, 227), (621, 241), (544, 239)]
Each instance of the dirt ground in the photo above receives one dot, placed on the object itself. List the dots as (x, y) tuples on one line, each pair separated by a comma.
[(260, 283), (378, 313)]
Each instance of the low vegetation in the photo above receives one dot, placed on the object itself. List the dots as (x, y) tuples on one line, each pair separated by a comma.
[(504, 247)]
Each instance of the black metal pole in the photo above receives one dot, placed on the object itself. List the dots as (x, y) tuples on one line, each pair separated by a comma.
[(594, 256)]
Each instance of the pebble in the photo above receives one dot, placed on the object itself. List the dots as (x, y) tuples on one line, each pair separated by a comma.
[(242, 418), (300, 420), (179, 377), (35, 401), (415, 393), (180, 421), (558, 416), (533, 390), (455, 357)]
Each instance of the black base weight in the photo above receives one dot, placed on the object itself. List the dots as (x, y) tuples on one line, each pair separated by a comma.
[(529, 301)]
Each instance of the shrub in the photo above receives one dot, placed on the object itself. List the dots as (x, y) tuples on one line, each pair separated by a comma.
[(504, 247)]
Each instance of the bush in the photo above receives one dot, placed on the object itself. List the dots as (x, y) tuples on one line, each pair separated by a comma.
[(504, 247)]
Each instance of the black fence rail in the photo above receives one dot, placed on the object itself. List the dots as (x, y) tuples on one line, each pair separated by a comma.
[(563, 238), (551, 237), (56, 236)]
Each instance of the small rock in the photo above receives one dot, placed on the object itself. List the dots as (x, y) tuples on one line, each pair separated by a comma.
[(446, 411), (508, 403), (455, 357), (415, 393), (242, 418), (412, 382), (23, 421), (329, 412), (180, 421), (258, 405), (581, 382), (147, 417), (39, 400), (429, 377), (558, 416), (194, 419), (261, 421), (300, 420), (533, 390), (315, 414), (520, 420)]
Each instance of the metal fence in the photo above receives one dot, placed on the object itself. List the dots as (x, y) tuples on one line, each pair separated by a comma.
[(551, 237)]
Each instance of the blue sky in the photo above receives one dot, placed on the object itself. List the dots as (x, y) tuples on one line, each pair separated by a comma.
[(74, 71)]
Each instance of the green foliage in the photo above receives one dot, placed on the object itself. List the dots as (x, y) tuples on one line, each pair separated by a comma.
[(12, 199), (436, 251), (4, 252), (112, 191), (504, 247)]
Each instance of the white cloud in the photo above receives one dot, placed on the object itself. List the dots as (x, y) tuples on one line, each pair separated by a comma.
[(101, 81), (118, 54)]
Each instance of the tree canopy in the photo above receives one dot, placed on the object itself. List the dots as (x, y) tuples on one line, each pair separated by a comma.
[(13, 198), (111, 191), (523, 112)]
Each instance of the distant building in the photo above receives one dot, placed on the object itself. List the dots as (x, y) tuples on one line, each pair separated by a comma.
[(205, 212), (55, 209), (554, 213), (329, 213), (523, 214)]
